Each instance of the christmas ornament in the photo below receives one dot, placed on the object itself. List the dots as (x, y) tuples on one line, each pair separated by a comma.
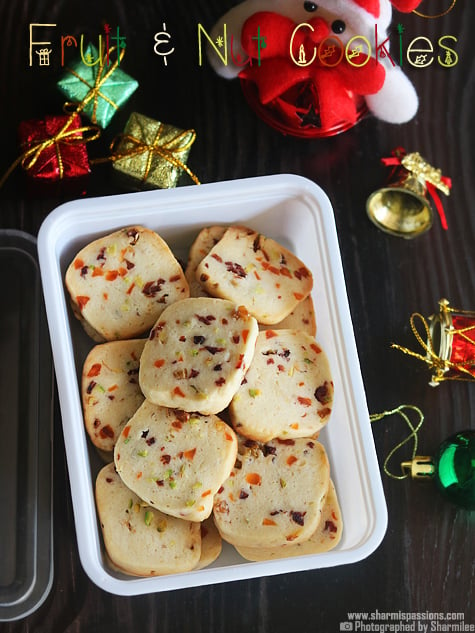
[(449, 343), (313, 69), (402, 207), (153, 152), (54, 147), (452, 467), (98, 87)]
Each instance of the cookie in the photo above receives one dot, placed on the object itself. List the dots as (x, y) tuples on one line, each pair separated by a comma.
[(211, 543), (140, 540), (110, 390), (175, 461), (325, 538), (121, 283), (302, 318), (256, 271), (274, 495), (204, 242), (287, 391), (197, 354)]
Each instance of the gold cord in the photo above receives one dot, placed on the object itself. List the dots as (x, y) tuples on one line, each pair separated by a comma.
[(414, 429), (439, 15), (440, 365)]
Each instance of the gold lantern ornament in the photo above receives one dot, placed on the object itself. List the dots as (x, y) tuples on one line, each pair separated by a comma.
[(402, 208)]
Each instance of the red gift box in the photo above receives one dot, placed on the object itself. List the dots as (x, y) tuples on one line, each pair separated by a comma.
[(54, 148)]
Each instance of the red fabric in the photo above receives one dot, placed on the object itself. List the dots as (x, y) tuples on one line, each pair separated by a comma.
[(331, 91), (65, 158), (405, 6), (463, 343), (371, 6)]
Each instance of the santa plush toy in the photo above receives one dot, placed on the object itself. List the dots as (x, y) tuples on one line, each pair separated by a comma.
[(314, 69)]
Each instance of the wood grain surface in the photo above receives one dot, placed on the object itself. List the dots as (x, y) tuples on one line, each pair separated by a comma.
[(426, 561)]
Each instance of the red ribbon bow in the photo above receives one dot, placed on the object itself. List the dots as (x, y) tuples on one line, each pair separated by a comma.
[(395, 160), (332, 84)]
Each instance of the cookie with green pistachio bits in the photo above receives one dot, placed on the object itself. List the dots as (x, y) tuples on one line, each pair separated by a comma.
[(257, 272), (138, 539), (197, 354), (119, 284), (325, 538), (175, 461), (287, 391), (203, 243), (110, 390), (274, 495)]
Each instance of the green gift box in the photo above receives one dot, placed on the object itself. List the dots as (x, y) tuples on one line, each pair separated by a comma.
[(153, 152), (100, 87)]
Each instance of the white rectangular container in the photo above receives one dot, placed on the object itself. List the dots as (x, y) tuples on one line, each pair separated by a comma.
[(297, 213)]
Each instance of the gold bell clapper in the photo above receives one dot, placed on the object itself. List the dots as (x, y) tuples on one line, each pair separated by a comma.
[(402, 207), (448, 340)]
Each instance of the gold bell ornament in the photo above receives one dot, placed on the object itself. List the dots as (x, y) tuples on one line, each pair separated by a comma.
[(402, 207)]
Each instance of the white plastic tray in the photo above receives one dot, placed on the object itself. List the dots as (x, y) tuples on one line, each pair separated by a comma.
[(295, 212)]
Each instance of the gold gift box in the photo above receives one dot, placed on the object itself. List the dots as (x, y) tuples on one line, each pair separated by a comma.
[(153, 152)]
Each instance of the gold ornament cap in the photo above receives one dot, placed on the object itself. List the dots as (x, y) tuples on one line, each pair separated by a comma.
[(420, 467)]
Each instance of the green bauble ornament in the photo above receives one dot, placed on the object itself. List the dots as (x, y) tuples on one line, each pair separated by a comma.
[(455, 469)]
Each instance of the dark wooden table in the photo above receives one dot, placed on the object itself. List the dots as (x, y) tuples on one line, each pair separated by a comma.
[(426, 561)]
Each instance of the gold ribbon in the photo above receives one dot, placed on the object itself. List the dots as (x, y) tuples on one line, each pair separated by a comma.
[(94, 92), (71, 136), (167, 150), (434, 361)]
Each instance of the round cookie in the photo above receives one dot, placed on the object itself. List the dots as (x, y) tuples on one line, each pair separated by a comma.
[(140, 540), (325, 538), (175, 461), (274, 495), (256, 271), (121, 283), (197, 354), (204, 242), (287, 391), (110, 390)]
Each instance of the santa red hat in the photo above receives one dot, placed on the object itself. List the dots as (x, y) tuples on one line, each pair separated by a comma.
[(373, 6), (405, 5), (368, 12), (370, 6)]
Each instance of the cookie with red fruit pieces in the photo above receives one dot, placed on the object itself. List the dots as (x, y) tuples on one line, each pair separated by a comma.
[(119, 284), (175, 461), (197, 354), (256, 271), (274, 495), (287, 391)]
